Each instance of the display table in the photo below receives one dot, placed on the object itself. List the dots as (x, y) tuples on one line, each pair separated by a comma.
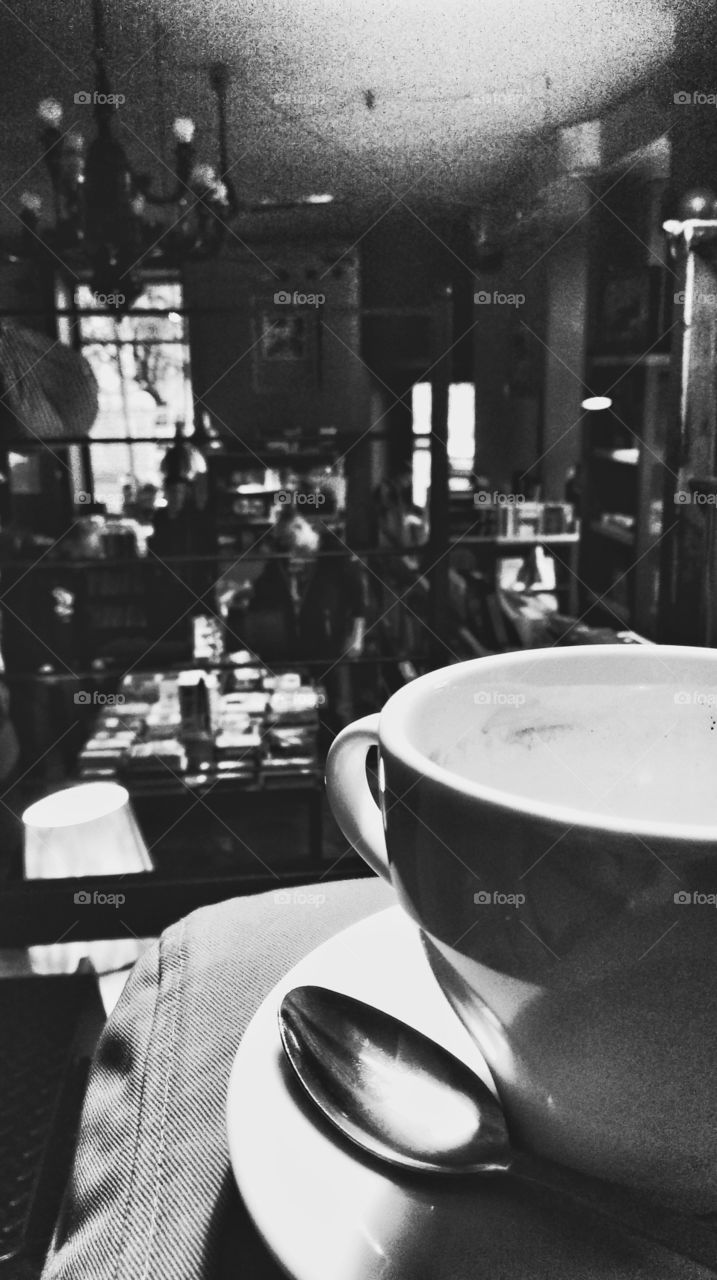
[(192, 734), (307, 783)]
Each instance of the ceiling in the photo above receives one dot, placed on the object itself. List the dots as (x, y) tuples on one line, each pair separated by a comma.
[(376, 101)]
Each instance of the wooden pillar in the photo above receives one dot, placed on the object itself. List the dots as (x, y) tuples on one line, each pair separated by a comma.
[(566, 326), (690, 449)]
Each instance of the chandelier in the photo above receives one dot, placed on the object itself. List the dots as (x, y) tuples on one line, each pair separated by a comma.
[(106, 229)]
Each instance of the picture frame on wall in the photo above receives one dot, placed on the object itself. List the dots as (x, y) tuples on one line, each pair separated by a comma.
[(631, 312), (285, 338), (286, 348)]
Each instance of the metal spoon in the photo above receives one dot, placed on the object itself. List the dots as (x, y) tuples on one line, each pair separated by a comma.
[(402, 1097)]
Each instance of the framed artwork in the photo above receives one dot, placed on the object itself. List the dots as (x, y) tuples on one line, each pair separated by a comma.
[(286, 347), (625, 317)]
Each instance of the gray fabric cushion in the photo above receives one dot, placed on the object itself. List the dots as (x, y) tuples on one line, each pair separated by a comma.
[(152, 1193)]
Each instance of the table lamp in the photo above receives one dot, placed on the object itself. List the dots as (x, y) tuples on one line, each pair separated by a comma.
[(85, 830)]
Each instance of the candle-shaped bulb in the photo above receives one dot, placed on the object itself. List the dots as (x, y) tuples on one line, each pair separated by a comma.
[(202, 177), (30, 202), (183, 129), (49, 112)]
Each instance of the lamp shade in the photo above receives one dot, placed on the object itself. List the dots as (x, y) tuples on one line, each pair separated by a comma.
[(85, 830)]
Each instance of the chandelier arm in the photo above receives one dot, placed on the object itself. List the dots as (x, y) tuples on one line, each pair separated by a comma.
[(219, 81)]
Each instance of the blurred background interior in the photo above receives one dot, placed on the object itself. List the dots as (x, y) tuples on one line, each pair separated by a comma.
[(326, 361), (338, 342)]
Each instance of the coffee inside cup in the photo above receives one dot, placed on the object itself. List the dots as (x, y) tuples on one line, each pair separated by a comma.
[(623, 751)]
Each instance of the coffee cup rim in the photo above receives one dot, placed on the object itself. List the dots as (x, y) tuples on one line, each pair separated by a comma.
[(392, 734)]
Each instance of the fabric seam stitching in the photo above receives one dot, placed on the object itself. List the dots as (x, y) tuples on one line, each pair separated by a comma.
[(163, 1118)]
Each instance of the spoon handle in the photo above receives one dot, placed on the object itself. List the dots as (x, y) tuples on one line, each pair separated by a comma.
[(675, 1231)]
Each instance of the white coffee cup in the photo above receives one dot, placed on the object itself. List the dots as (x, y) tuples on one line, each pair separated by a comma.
[(549, 819)]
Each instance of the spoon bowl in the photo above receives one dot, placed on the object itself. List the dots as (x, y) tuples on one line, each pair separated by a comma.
[(403, 1098), (392, 1090)]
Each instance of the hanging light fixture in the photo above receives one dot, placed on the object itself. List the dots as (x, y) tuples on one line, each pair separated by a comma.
[(105, 227), (596, 404)]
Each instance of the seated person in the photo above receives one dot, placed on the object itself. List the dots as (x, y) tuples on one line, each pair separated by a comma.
[(309, 603), (140, 506), (182, 587)]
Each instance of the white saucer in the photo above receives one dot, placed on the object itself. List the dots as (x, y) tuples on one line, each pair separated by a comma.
[(326, 1212)]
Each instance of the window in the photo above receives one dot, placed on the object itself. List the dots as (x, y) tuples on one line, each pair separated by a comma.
[(141, 362), (461, 437)]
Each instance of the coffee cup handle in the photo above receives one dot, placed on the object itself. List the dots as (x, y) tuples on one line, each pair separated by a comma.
[(352, 804)]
